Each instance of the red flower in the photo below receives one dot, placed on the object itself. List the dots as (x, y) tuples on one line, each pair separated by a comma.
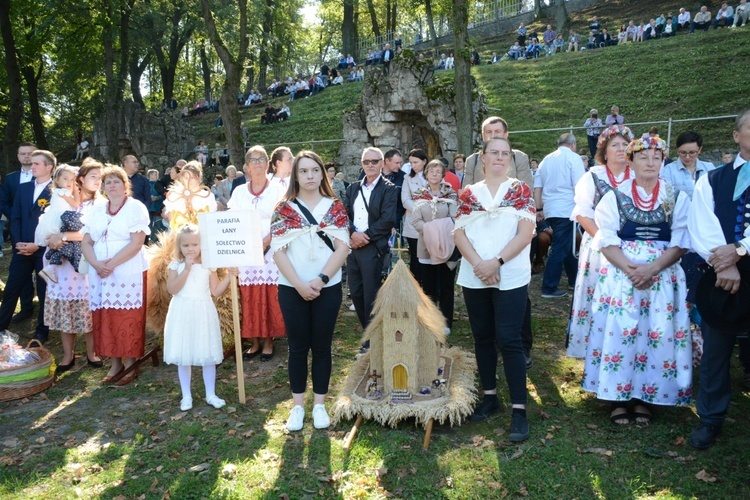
[(628, 388), (615, 358), (679, 334), (650, 390), (642, 358), (653, 334)]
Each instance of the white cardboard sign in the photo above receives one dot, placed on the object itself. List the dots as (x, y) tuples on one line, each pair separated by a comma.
[(231, 239)]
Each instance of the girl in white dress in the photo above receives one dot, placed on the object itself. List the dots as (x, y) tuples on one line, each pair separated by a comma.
[(192, 335)]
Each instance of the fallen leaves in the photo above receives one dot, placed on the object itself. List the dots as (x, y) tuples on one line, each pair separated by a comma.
[(200, 467), (702, 475), (597, 451)]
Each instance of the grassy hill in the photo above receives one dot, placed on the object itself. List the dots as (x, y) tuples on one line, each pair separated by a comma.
[(683, 77)]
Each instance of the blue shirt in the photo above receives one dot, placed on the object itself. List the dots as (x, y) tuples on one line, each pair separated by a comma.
[(680, 177)]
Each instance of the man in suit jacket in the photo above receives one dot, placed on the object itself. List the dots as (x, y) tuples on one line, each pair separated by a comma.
[(387, 57), (7, 195), (31, 198), (371, 205), (139, 185)]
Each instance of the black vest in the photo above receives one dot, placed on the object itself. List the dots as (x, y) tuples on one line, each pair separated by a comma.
[(722, 181)]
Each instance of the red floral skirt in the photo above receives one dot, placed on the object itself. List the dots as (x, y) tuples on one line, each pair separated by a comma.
[(261, 314)]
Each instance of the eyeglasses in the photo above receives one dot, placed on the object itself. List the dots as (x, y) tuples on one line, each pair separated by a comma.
[(688, 153), (262, 159), (371, 162)]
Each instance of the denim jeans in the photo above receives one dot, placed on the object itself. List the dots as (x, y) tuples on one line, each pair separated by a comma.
[(560, 255)]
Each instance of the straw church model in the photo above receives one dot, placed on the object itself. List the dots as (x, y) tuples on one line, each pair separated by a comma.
[(408, 372)]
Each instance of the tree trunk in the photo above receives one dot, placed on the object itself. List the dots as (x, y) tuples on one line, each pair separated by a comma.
[(11, 137), (561, 17), (349, 28), (394, 11), (373, 19), (537, 8), (430, 21), (32, 78), (464, 114), (206, 72), (263, 58), (136, 70), (233, 68)]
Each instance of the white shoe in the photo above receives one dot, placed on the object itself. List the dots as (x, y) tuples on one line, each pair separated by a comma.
[(186, 404), (216, 401), (48, 274), (447, 331), (321, 420), (296, 419), (352, 308)]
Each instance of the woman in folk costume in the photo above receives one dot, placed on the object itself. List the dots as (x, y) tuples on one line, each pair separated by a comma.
[(610, 171), (639, 351), (185, 199), (261, 314)]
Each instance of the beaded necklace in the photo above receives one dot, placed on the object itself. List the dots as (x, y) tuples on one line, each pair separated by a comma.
[(640, 203)]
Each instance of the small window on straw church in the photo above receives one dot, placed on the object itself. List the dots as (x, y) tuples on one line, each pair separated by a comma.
[(406, 315), (394, 314), (399, 336)]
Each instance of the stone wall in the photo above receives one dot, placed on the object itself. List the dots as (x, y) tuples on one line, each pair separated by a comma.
[(158, 140), (405, 110)]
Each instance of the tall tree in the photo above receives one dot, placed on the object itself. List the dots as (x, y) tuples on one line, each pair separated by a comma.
[(233, 71), (349, 35), (430, 22), (462, 83), (12, 133), (136, 68), (373, 18)]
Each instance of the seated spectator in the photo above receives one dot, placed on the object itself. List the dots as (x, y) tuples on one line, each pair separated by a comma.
[(741, 14), (82, 150), (683, 20), (337, 80), (521, 34), (574, 41), (269, 115), (449, 61), (605, 39), (495, 58), (370, 58), (284, 113), (559, 44), (549, 39), (532, 51), (651, 31), (725, 16), (702, 20), (201, 152), (350, 61), (641, 29), (622, 35), (632, 31), (591, 41), (475, 60), (351, 76), (515, 52), (360, 74), (325, 74), (377, 56), (215, 155), (224, 156), (441, 62), (668, 29), (342, 61), (534, 36)]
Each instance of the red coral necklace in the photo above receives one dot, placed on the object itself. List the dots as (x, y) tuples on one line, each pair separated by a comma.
[(265, 185), (109, 209), (612, 181), (646, 206)]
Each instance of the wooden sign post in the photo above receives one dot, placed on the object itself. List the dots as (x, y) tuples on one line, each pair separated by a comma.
[(232, 239)]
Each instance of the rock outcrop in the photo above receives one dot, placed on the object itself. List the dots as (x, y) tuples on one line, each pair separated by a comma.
[(158, 140), (407, 109)]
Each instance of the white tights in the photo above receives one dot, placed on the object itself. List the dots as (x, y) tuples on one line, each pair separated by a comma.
[(209, 380)]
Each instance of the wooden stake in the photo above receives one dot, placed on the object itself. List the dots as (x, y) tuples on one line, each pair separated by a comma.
[(237, 340), (350, 437), (427, 435)]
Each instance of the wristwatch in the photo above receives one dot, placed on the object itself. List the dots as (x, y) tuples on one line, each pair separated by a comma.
[(325, 279), (741, 250), (501, 261), (64, 238)]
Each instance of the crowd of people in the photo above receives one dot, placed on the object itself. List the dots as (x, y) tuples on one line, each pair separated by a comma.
[(648, 227)]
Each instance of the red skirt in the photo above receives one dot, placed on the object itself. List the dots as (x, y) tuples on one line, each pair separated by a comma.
[(121, 333), (261, 314)]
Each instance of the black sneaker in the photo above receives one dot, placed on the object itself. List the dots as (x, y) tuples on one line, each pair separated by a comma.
[(527, 357), (485, 410), (704, 436), (519, 427)]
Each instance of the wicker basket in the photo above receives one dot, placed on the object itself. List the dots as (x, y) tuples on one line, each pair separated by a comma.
[(24, 388)]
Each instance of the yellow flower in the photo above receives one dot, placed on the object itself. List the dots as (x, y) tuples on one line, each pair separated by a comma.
[(42, 203)]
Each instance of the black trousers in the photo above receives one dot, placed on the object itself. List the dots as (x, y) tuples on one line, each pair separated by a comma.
[(309, 327), (437, 283), (414, 265), (496, 318), (364, 268), (22, 267)]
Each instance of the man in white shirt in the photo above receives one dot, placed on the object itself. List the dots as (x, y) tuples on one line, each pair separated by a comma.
[(371, 206), (683, 20), (719, 226), (554, 189), (702, 20), (725, 16), (7, 196)]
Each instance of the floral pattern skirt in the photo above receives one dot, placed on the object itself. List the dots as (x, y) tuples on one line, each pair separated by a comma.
[(579, 323), (639, 344), (68, 316)]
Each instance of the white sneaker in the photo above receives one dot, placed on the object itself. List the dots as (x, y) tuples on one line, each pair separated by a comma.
[(186, 404), (352, 308), (216, 401), (296, 419), (447, 331), (321, 420)]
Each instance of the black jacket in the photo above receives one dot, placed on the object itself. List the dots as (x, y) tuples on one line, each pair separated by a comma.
[(381, 213)]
